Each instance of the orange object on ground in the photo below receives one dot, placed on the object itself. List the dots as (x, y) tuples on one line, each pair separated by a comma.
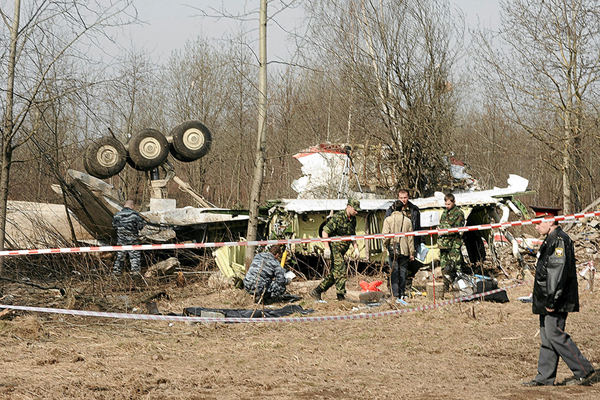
[(370, 287)]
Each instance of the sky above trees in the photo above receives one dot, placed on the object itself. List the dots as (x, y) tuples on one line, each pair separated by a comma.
[(169, 24)]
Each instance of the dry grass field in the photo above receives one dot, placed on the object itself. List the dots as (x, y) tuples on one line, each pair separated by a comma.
[(469, 350)]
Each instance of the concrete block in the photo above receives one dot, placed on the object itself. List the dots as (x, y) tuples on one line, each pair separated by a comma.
[(439, 290), (364, 297), (421, 278)]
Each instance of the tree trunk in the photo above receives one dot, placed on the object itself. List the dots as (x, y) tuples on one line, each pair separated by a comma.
[(4, 179), (259, 163), (566, 165), (6, 145)]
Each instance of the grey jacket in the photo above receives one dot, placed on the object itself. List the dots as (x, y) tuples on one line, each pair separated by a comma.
[(395, 223), (272, 276), (128, 224)]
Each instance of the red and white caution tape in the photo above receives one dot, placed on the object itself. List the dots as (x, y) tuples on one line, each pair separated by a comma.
[(173, 246), (269, 319)]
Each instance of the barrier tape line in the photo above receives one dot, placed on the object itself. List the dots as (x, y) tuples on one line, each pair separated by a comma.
[(267, 319), (173, 246)]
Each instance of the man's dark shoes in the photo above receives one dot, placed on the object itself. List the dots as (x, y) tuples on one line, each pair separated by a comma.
[(584, 381), (341, 297), (532, 383), (316, 293)]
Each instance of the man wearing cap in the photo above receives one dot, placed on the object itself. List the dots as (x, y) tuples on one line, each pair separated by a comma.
[(450, 243), (555, 294), (265, 279), (343, 223)]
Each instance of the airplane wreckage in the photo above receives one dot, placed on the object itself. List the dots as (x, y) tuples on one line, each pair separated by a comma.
[(326, 169)]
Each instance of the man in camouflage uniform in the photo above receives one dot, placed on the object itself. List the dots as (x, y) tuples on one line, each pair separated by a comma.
[(128, 224), (450, 243), (265, 279), (343, 223)]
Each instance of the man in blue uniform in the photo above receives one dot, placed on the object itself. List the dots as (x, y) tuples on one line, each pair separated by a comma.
[(265, 279), (128, 224)]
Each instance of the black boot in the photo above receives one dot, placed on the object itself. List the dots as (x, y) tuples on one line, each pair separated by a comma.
[(316, 293), (341, 297)]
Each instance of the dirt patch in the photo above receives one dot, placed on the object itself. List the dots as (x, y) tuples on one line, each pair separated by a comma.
[(462, 351)]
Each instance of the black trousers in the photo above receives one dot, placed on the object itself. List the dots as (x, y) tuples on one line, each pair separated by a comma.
[(556, 343), (398, 264)]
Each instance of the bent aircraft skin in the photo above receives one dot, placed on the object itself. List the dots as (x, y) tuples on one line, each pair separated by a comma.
[(305, 218), (94, 202), (326, 168)]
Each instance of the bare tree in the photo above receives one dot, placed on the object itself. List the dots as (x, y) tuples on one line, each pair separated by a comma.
[(544, 65), (397, 58), (35, 47), (261, 143)]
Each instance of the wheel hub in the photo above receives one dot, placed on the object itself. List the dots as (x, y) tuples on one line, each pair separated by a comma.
[(107, 156), (149, 148), (193, 139)]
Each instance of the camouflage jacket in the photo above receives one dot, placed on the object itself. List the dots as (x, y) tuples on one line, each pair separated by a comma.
[(128, 224), (452, 218), (269, 269), (340, 225)]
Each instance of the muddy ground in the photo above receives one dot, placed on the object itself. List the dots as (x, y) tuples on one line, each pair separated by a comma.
[(462, 351)]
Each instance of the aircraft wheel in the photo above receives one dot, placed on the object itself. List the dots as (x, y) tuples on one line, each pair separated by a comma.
[(104, 157), (147, 149), (191, 140)]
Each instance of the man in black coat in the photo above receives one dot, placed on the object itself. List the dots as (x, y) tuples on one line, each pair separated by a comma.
[(555, 294)]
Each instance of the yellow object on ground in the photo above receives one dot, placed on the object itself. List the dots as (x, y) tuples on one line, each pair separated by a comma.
[(230, 260)]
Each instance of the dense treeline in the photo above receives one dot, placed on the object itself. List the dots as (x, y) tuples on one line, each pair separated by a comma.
[(389, 74)]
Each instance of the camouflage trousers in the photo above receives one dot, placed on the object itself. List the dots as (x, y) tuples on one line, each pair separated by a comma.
[(337, 274), (451, 260), (135, 257)]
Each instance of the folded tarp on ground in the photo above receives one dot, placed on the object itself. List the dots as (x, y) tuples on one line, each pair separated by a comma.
[(258, 313)]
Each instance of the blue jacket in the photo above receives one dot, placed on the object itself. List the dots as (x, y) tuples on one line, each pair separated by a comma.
[(271, 279), (128, 224)]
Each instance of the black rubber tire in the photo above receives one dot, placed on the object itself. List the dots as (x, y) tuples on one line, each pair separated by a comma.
[(147, 149), (132, 164), (104, 157), (191, 141)]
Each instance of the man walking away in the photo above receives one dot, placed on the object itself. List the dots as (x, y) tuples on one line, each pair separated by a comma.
[(555, 294), (343, 223)]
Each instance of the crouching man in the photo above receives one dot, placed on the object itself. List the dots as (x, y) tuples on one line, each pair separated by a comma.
[(265, 278)]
